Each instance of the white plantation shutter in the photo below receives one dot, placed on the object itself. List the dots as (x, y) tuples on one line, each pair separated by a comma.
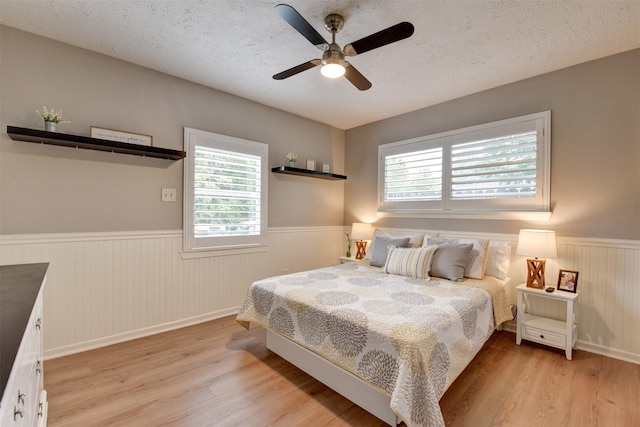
[(502, 167), (414, 176), (225, 191), (496, 166)]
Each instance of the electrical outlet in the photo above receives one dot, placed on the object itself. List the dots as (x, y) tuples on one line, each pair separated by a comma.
[(168, 194)]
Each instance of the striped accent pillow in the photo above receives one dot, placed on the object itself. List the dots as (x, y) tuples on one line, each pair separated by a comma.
[(410, 262)]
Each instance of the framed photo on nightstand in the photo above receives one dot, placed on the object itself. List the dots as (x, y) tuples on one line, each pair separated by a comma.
[(568, 281)]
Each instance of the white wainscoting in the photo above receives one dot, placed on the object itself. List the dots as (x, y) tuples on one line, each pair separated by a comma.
[(104, 288), (609, 303), (609, 285)]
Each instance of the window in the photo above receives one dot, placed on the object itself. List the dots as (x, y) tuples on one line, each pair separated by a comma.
[(498, 166), (225, 199)]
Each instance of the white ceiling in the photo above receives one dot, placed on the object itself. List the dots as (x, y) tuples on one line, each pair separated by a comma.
[(458, 48)]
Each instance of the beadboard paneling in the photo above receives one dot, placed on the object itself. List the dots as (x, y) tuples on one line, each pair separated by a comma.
[(104, 288)]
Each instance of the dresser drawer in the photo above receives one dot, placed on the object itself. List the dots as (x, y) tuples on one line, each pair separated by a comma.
[(543, 336), (22, 402)]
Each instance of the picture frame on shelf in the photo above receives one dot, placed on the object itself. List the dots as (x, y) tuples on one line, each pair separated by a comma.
[(121, 136), (311, 165), (568, 281), (326, 168)]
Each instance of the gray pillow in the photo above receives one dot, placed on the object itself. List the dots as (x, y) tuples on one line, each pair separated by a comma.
[(380, 249), (449, 261)]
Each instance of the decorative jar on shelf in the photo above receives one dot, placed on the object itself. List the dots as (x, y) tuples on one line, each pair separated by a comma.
[(50, 126), (51, 118), (291, 158)]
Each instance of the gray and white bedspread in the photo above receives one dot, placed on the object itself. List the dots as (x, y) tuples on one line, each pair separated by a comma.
[(410, 338)]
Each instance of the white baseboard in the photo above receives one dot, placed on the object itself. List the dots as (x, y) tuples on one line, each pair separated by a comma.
[(510, 326), (140, 333), (609, 352)]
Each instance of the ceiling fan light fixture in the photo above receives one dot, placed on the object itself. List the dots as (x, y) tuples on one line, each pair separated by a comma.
[(333, 63), (332, 70)]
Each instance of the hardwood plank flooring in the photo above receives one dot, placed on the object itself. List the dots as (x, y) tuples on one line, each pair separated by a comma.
[(219, 374)]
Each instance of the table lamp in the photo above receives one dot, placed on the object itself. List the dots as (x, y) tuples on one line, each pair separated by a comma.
[(537, 244), (360, 232)]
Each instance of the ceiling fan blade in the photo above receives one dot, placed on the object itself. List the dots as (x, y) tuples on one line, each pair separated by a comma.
[(381, 38), (296, 20), (297, 69), (356, 79)]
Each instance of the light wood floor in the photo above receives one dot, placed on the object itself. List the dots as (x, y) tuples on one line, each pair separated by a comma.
[(219, 374)]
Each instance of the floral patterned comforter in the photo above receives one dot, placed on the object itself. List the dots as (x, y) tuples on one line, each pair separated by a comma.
[(408, 337)]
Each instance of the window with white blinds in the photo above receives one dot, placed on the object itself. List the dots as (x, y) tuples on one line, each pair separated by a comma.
[(225, 188), (498, 166), (414, 176)]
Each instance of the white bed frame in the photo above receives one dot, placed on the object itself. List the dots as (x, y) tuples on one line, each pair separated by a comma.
[(360, 392), (341, 381)]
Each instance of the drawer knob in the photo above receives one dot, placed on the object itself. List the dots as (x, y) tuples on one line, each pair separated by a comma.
[(17, 412), (541, 336)]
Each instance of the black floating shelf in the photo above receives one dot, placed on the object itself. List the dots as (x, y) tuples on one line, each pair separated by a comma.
[(67, 140), (305, 172)]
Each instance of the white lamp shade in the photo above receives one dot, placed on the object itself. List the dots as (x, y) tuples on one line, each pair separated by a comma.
[(537, 243), (360, 231)]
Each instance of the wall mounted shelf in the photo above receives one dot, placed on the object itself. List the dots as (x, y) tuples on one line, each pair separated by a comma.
[(305, 172), (67, 140)]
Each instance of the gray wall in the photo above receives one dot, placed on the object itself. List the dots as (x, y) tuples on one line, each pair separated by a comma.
[(595, 145), (595, 154), (48, 189)]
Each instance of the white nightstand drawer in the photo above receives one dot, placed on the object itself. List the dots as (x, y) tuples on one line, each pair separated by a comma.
[(543, 337)]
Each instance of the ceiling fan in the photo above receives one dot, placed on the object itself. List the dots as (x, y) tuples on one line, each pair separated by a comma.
[(333, 62)]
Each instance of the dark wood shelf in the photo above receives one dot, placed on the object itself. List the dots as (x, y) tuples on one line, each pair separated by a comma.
[(67, 140), (305, 172)]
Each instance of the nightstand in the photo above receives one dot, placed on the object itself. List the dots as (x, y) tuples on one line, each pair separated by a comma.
[(345, 259), (561, 334)]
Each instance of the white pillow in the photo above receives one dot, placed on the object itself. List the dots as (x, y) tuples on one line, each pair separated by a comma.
[(410, 262), (477, 258), (415, 239), (498, 259)]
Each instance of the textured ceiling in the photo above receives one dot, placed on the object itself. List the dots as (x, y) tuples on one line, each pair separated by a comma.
[(458, 48)]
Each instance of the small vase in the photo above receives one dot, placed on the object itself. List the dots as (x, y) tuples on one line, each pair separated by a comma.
[(292, 164), (349, 253), (50, 126)]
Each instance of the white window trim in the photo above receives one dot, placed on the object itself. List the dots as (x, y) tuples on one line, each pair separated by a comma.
[(542, 214), (535, 216), (191, 137)]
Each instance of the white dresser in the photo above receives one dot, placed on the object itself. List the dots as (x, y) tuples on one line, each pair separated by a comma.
[(24, 400)]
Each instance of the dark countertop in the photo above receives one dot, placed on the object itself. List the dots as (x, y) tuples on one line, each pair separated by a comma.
[(19, 287)]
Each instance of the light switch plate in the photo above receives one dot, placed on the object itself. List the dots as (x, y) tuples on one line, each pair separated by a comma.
[(168, 194)]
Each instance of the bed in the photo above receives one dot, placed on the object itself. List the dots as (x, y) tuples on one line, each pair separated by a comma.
[(390, 342)]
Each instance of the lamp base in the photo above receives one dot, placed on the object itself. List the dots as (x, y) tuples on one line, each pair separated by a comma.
[(535, 273), (362, 246)]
